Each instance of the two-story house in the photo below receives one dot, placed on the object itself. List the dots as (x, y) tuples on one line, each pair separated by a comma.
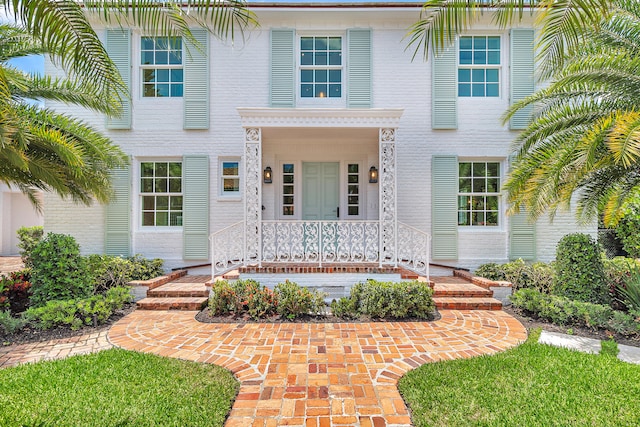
[(316, 139)]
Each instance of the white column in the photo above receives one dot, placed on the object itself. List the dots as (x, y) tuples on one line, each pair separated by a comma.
[(387, 195), (253, 195)]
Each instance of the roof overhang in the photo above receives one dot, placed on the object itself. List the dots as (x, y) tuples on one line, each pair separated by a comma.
[(321, 117)]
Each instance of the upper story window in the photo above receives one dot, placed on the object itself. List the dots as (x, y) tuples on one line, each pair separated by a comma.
[(321, 67), (162, 68), (478, 193), (161, 193), (479, 66)]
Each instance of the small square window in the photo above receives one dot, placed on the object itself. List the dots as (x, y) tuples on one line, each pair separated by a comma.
[(230, 177)]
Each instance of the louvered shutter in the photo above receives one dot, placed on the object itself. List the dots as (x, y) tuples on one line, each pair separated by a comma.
[(522, 74), (118, 46), (282, 78), (444, 207), (522, 237), (359, 68), (444, 92), (118, 214), (195, 207), (196, 81)]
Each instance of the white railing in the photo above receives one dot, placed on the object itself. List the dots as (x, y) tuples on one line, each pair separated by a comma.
[(320, 241), (227, 249), (413, 249)]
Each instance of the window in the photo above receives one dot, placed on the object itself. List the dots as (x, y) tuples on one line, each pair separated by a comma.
[(321, 67), (353, 189), (230, 178), (479, 66), (288, 189), (161, 64), (161, 192), (478, 193)]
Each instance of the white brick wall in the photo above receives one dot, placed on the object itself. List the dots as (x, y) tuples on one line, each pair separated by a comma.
[(240, 78)]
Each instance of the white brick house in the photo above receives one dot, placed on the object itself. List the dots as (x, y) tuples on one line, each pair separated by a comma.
[(318, 97)]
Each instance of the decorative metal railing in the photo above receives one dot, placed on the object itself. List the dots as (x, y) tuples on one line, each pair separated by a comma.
[(414, 249), (319, 242), (227, 248)]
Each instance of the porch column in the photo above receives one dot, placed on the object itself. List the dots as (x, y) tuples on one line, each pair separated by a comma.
[(252, 195), (387, 194)]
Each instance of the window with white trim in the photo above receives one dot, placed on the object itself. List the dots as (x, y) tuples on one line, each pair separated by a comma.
[(479, 66), (478, 193), (161, 66), (229, 177), (321, 65), (288, 189), (161, 194), (353, 189)]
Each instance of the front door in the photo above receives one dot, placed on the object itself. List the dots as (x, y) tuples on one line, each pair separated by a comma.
[(320, 192)]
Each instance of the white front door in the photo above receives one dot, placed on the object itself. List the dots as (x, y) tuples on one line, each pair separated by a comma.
[(321, 190)]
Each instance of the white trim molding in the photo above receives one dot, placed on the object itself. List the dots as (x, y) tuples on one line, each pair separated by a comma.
[(320, 117)]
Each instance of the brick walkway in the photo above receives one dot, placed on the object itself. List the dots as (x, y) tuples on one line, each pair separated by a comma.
[(55, 349), (318, 375)]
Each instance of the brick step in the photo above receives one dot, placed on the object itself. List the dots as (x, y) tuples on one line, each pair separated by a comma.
[(460, 290), (184, 303), (449, 303), (177, 290)]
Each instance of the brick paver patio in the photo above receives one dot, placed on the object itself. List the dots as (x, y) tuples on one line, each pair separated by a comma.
[(319, 374)]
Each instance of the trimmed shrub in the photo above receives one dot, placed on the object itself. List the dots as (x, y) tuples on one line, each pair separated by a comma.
[(108, 272), (627, 230), (28, 238), (59, 272), (243, 296), (579, 270), (94, 310), (538, 275), (145, 269), (491, 271), (296, 301), (224, 299), (387, 300), (564, 311)]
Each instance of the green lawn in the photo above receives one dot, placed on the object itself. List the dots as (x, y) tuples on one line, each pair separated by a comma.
[(116, 388), (531, 385)]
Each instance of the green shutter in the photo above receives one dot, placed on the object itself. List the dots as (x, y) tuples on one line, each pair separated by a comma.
[(359, 68), (522, 74), (444, 207), (118, 214), (444, 93), (282, 86), (118, 45), (196, 81), (522, 237), (195, 207)]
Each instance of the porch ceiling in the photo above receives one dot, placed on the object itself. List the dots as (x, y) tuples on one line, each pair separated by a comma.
[(321, 117)]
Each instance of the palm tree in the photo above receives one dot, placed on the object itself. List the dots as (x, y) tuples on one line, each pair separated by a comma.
[(40, 149), (562, 23), (584, 139)]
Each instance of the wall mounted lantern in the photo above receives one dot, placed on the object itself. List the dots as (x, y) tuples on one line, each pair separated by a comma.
[(373, 175), (268, 177)]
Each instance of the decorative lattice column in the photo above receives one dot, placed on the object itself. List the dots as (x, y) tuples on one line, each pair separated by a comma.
[(252, 195), (387, 193)]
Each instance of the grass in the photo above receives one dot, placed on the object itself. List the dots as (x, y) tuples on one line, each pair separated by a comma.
[(530, 385), (116, 388)]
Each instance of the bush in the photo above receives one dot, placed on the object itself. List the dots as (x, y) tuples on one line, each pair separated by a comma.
[(629, 291), (224, 299), (295, 301), (108, 272), (10, 324), (564, 311), (59, 272), (387, 300), (15, 291), (627, 231), (145, 269), (28, 238), (521, 275), (579, 270), (94, 310), (240, 297)]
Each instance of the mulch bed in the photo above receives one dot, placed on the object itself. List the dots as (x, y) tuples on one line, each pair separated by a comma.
[(30, 334)]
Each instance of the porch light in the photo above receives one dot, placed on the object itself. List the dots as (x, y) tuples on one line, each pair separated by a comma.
[(267, 175), (373, 175)]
